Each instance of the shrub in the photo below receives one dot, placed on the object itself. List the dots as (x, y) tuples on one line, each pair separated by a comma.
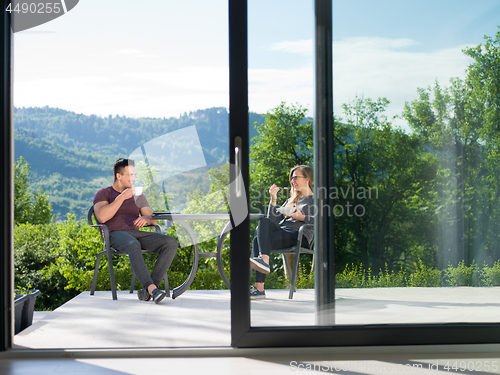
[(461, 275), (490, 276), (390, 279), (352, 277), (424, 276), (36, 248), (275, 280), (306, 279)]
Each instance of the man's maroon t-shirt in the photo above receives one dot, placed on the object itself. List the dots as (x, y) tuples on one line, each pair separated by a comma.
[(126, 214)]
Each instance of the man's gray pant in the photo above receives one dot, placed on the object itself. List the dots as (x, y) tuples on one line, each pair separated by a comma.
[(132, 242)]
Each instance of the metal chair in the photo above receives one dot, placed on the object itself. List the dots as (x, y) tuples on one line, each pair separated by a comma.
[(109, 251), (295, 251)]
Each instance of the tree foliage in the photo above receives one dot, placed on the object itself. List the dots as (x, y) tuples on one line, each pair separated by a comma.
[(383, 190), (29, 207), (460, 126)]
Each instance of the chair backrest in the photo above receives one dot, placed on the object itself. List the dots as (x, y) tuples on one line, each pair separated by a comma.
[(91, 215)]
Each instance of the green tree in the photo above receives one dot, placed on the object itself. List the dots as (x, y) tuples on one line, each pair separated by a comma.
[(22, 196), (28, 208), (460, 126), (483, 104), (383, 190), (439, 118)]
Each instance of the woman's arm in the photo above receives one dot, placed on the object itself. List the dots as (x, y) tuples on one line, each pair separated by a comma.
[(273, 214), (273, 192), (304, 213), (271, 210)]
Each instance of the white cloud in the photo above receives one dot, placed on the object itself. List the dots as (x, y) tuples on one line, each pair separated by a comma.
[(186, 78), (139, 95), (269, 87), (119, 82), (371, 67), (380, 67)]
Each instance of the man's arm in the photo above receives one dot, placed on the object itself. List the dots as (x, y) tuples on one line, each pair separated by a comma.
[(145, 218), (104, 211)]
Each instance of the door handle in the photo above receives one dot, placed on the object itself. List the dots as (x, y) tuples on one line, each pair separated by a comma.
[(237, 162)]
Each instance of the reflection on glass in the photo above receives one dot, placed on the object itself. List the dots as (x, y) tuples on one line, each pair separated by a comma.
[(176, 178), (281, 86), (415, 211), (416, 162)]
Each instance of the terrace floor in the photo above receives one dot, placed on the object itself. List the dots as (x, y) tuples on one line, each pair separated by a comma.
[(201, 318)]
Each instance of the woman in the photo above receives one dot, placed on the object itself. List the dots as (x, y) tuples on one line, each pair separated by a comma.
[(279, 231)]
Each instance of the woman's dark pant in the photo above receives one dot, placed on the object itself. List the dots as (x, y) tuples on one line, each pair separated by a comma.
[(270, 236), (132, 242)]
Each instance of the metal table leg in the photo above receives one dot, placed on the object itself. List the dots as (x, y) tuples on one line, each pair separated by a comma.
[(187, 283), (220, 244)]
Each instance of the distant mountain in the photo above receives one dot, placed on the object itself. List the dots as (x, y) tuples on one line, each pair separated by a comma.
[(71, 155)]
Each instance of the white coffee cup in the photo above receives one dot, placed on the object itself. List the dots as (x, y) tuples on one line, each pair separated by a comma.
[(138, 190)]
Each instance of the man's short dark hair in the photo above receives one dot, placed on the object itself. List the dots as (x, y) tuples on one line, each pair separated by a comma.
[(120, 165)]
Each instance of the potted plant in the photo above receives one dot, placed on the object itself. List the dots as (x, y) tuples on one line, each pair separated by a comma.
[(24, 304)]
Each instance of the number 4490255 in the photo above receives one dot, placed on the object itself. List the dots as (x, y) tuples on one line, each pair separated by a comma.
[(471, 366), (34, 8)]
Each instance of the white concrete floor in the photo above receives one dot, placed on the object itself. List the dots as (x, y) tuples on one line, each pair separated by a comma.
[(198, 320), (201, 318)]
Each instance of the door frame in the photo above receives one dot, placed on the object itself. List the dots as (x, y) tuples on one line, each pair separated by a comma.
[(6, 184)]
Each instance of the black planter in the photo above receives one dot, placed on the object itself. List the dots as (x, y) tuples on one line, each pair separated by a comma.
[(24, 308), (19, 302)]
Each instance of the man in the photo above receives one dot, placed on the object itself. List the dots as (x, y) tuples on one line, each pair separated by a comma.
[(123, 213)]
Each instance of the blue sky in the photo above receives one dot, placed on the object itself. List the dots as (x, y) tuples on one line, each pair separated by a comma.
[(161, 58)]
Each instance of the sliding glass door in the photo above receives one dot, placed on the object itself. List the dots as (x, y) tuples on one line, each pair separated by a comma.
[(405, 166)]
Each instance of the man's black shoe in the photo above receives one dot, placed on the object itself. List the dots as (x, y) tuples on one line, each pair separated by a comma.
[(143, 295)]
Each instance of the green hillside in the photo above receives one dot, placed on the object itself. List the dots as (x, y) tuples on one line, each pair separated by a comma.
[(71, 155)]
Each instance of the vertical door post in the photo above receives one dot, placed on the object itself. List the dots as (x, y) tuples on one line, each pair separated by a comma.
[(323, 166)]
